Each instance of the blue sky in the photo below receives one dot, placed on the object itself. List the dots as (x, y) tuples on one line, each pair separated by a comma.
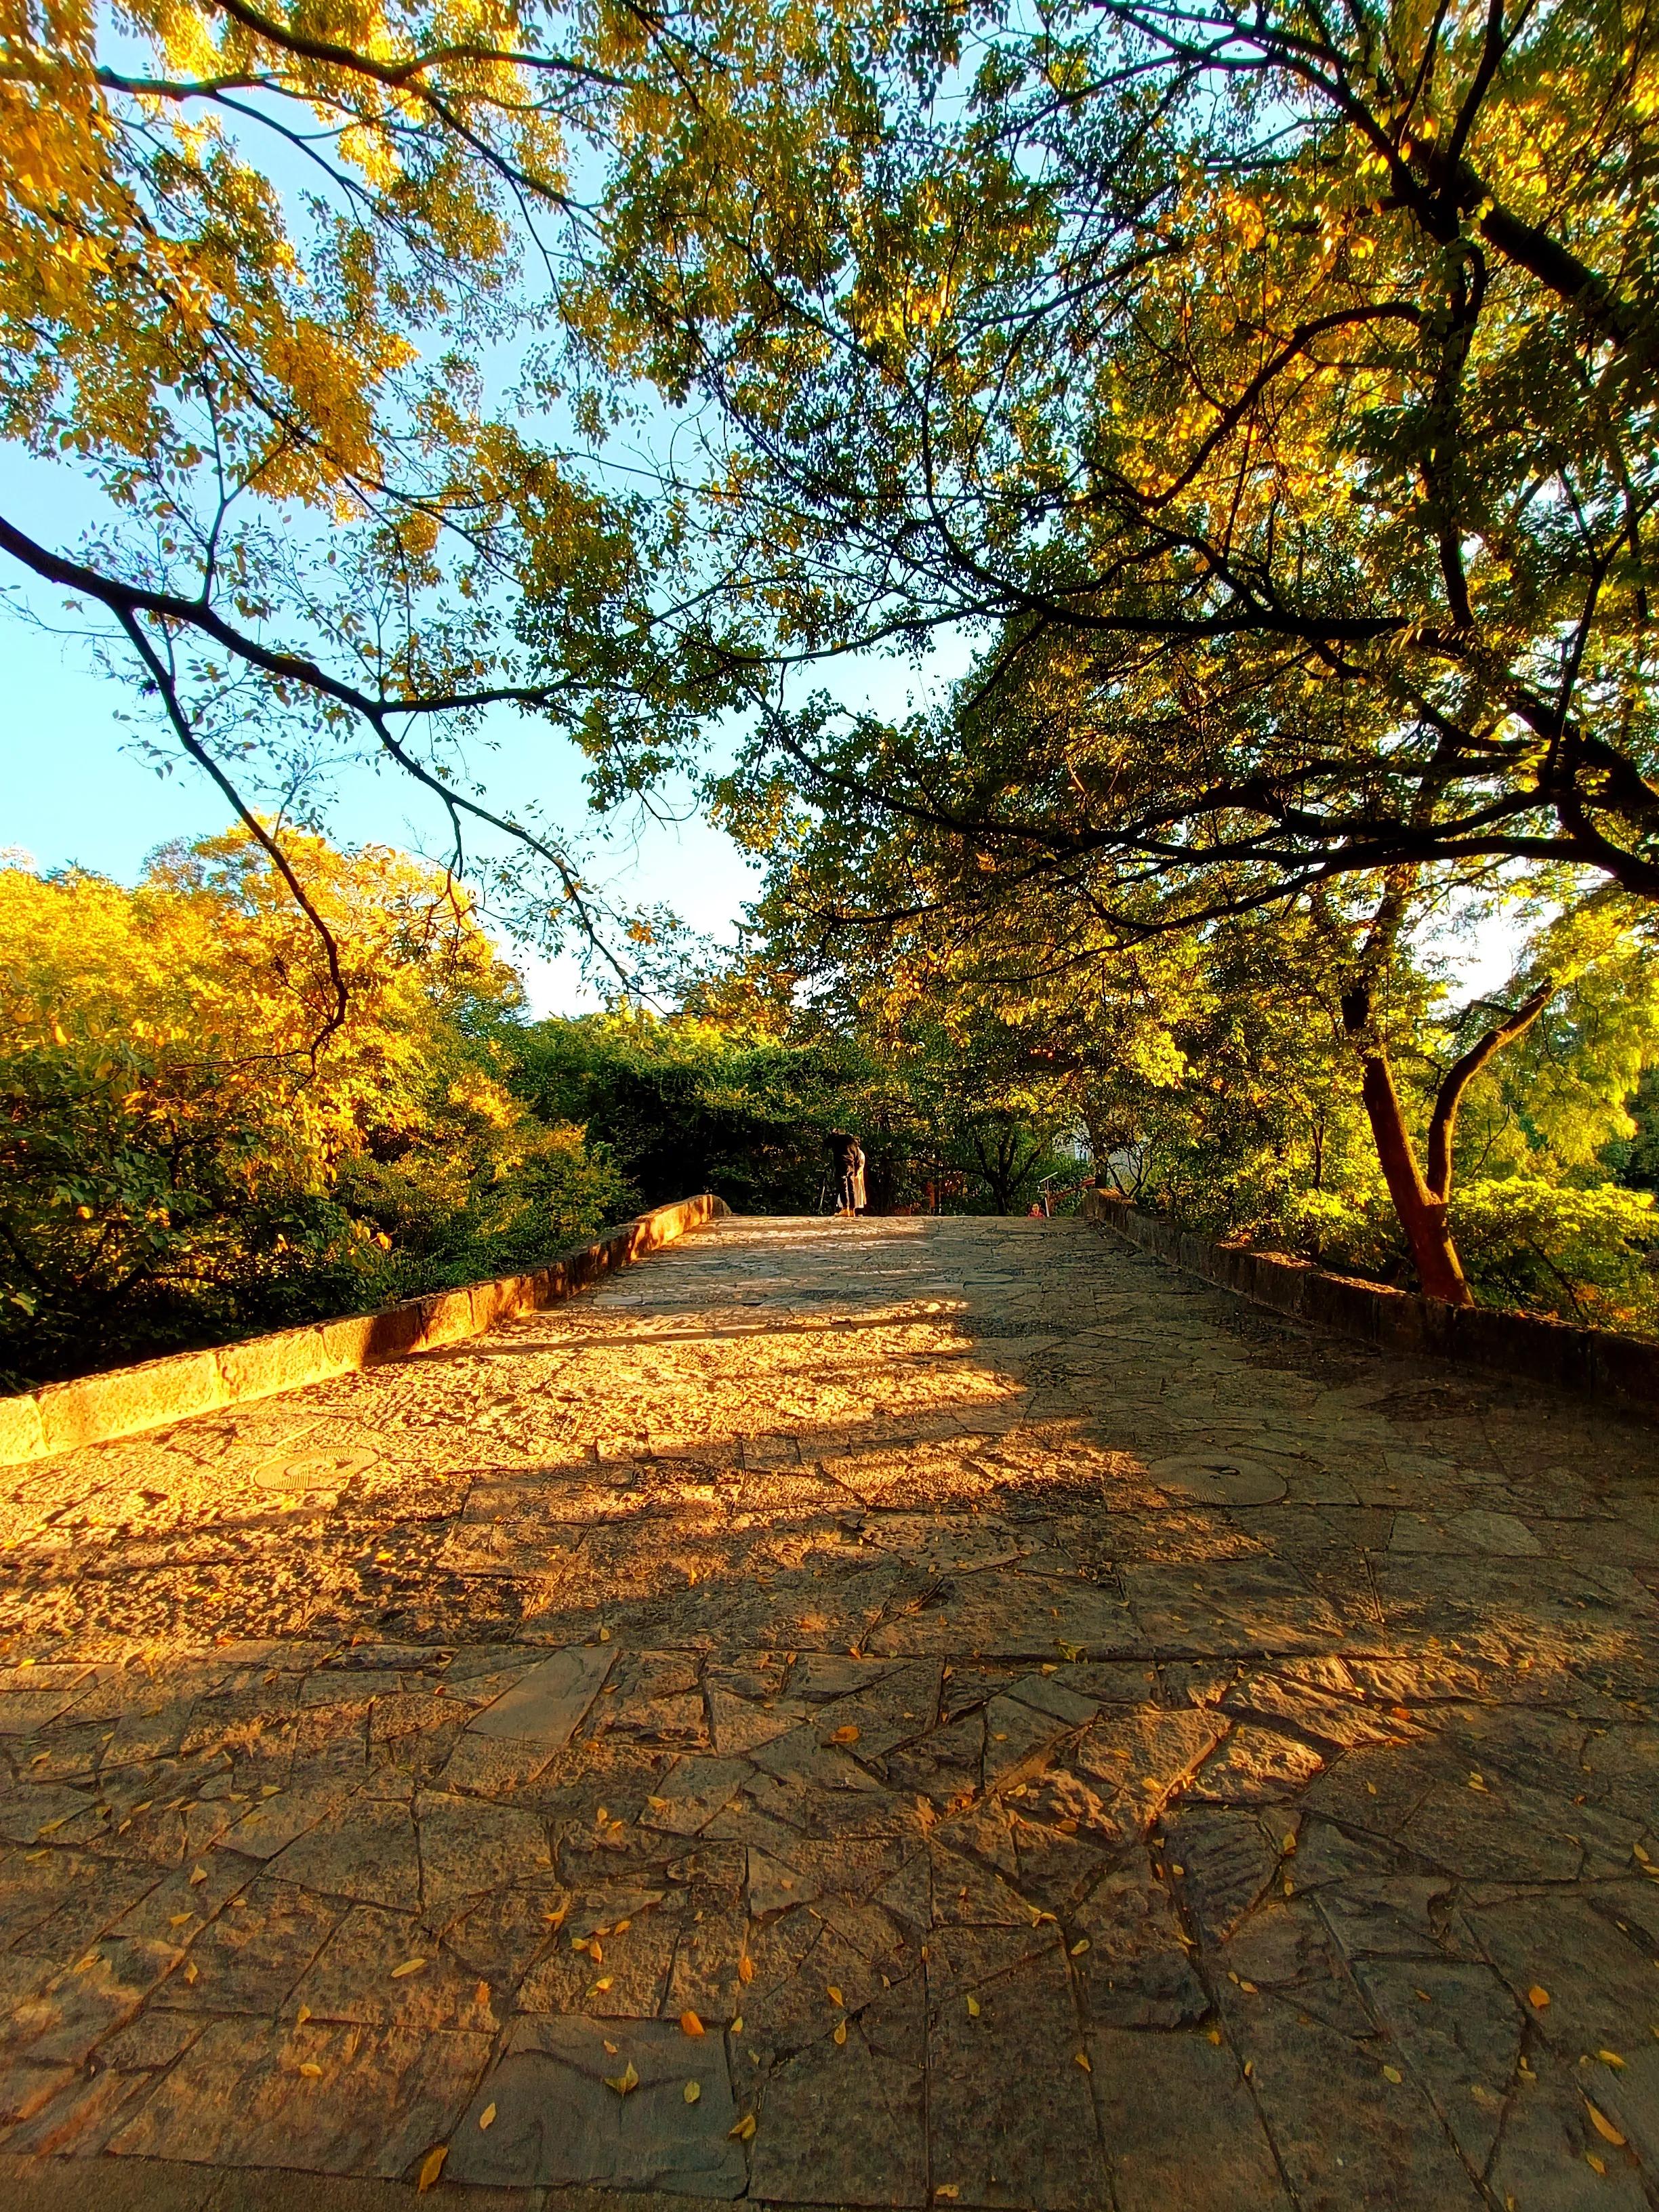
[(72, 787), (75, 786)]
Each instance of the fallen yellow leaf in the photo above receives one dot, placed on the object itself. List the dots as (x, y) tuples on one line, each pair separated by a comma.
[(409, 1967), (486, 2118), (745, 1968), (622, 2083), (693, 2091), (1609, 2058), (1079, 1946), (690, 2024), (1392, 2074), (1596, 2165), (1603, 2126), (1538, 1997), (744, 2129), (848, 1735), (973, 2008), (1082, 2060), (197, 1873), (737, 2025), (431, 2166), (835, 1996), (303, 2015), (312, 2070), (840, 2035)]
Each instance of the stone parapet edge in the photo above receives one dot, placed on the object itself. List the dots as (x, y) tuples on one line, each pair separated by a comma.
[(126, 1400), (1596, 1362)]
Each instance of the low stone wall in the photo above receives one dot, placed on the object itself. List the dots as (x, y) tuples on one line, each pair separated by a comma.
[(127, 1399), (1596, 1361)]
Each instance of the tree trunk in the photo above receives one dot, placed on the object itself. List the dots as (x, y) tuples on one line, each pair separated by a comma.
[(1421, 1211), (1422, 1214)]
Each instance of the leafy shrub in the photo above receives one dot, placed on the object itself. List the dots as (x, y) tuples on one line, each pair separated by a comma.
[(185, 1155)]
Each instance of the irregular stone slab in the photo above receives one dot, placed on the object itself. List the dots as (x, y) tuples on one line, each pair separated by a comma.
[(692, 1792), (844, 2122), (379, 2099), (1391, 1917), (23, 1713), (467, 1847), (558, 2124), (1460, 2031), (1231, 1606), (1222, 1861), (367, 1851), (62, 2020), (1345, 2133), (247, 1960), (1136, 1972), (1183, 2133), (546, 1705), (356, 1977), (1256, 1767), (1047, 1693), (993, 2135), (1600, 1985), (1018, 1738), (1546, 2142), (1505, 1533), (274, 1823), (1123, 1770), (629, 1976)]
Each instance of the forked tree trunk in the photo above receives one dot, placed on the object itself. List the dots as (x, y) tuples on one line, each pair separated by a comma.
[(1422, 1214), (1421, 1201)]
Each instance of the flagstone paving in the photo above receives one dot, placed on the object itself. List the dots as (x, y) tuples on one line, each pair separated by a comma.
[(913, 1713)]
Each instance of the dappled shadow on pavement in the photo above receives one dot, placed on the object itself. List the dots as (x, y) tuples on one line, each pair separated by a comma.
[(1065, 1740)]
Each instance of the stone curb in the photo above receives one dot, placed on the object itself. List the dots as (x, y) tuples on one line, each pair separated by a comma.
[(1596, 1362), (124, 1401)]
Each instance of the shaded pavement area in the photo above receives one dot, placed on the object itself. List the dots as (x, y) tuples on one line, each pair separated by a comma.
[(895, 1714)]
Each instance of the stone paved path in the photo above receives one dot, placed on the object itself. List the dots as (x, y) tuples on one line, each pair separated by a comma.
[(925, 1713)]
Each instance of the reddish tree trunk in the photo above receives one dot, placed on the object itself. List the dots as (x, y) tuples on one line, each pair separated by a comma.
[(1422, 1213)]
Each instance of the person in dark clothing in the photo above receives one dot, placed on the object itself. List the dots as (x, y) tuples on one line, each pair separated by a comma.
[(848, 1157)]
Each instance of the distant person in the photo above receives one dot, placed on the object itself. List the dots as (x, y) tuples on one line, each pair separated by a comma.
[(848, 1156)]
